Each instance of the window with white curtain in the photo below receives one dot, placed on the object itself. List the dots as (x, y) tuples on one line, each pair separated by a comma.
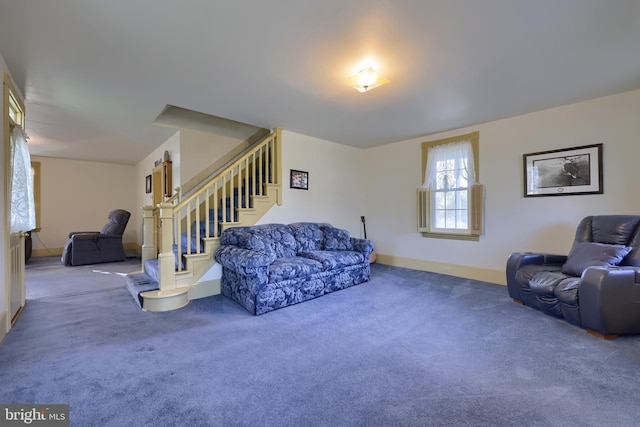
[(20, 179), (452, 200)]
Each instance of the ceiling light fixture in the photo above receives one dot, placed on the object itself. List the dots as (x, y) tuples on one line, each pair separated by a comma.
[(366, 77)]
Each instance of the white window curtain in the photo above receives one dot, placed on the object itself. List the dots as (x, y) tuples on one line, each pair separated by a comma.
[(23, 212), (450, 166)]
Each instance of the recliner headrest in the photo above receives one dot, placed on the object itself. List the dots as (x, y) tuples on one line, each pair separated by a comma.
[(118, 219), (614, 229)]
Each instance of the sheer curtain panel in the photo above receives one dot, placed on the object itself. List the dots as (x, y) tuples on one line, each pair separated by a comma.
[(23, 212), (450, 166)]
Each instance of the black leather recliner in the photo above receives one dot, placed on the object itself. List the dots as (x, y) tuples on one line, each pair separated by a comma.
[(93, 247), (596, 286)]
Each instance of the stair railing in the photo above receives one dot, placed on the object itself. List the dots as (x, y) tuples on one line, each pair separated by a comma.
[(204, 213)]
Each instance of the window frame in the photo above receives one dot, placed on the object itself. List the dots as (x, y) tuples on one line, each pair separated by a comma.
[(35, 169), (474, 138)]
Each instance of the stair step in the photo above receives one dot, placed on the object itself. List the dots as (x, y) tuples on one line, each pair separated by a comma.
[(138, 283), (151, 268)]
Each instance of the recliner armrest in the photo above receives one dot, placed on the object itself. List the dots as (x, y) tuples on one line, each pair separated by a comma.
[(610, 300), (519, 259), (95, 236), (82, 232)]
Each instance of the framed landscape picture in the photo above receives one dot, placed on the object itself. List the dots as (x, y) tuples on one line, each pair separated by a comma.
[(567, 171)]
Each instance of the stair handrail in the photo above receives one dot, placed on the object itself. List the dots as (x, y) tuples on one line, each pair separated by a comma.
[(175, 199), (248, 175), (231, 158)]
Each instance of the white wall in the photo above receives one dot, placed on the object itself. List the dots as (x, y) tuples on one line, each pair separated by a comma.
[(513, 223), (199, 150), (337, 184), (77, 196)]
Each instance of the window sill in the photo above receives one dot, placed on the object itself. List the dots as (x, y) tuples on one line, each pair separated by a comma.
[(451, 236)]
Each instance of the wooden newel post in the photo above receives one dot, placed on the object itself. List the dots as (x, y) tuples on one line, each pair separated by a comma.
[(166, 258), (148, 233)]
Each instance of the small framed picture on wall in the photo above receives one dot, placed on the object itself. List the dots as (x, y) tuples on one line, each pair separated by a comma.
[(299, 179), (147, 184)]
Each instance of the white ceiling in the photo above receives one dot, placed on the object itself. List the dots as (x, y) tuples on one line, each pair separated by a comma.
[(96, 74)]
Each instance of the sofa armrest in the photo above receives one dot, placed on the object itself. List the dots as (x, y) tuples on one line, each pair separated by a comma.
[(519, 259), (363, 246), (241, 260), (609, 299)]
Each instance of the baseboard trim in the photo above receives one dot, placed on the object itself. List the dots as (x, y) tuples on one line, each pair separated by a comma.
[(58, 251), (132, 247), (464, 271), (46, 252)]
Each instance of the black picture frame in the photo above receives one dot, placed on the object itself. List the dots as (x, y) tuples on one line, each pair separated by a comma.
[(563, 172), (299, 179), (147, 184)]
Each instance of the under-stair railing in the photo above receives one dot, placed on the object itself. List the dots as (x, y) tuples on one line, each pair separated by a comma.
[(183, 227)]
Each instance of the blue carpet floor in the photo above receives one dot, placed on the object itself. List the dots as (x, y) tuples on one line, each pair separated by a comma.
[(409, 348)]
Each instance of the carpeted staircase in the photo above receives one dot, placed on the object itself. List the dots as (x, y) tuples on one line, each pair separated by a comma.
[(142, 282), (190, 227)]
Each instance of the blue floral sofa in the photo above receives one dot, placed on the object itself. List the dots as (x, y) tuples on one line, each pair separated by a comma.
[(270, 266)]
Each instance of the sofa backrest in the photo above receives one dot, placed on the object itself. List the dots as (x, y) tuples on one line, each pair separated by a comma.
[(281, 240), (276, 239), (612, 230), (309, 236)]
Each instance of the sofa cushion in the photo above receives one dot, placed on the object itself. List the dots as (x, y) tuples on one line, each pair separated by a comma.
[(336, 239), (567, 294), (308, 235), (334, 259), (292, 267), (280, 238), (567, 291), (244, 238), (592, 254), (544, 283)]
